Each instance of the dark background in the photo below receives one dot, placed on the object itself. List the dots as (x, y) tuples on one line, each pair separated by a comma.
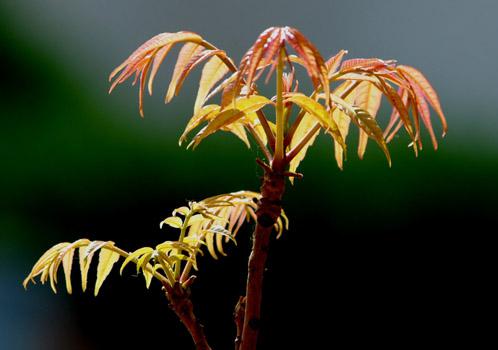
[(374, 256)]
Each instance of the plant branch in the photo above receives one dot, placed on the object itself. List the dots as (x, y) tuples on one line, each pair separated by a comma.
[(267, 129), (293, 152), (260, 143), (279, 111), (180, 303), (269, 209)]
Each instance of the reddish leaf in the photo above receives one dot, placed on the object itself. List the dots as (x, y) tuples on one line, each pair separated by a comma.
[(188, 51), (366, 63), (155, 42), (158, 59), (334, 62), (427, 90)]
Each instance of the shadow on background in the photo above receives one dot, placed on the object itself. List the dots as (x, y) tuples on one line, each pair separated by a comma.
[(372, 253)]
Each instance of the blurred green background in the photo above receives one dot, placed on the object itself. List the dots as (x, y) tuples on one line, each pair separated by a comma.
[(394, 245)]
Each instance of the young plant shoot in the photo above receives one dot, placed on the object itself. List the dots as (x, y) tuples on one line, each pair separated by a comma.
[(345, 93)]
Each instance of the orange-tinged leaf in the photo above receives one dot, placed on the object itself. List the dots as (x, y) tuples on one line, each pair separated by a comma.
[(334, 62), (156, 63), (230, 92), (313, 60), (188, 51), (357, 76), (319, 112), (427, 90), (366, 63), (395, 114), (223, 85), (368, 97), (397, 103), (143, 78), (266, 47), (155, 42), (195, 61), (213, 71), (425, 114)]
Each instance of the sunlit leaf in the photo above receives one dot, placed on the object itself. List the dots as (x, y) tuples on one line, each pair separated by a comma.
[(319, 112), (368, 98), (427, 90), (206, 113), (214, 70), (172, 221), (134, 257), (85, 258), (156, 63), (304, 126), (365, 63), (397, 103), (181, 210), (365, 121), (67, 263), (107, 259), (188, 51), (334, 62), (194, 61), (242, 106)]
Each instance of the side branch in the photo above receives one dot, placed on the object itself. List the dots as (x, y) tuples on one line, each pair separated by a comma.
[(180, 303), (267, 129)]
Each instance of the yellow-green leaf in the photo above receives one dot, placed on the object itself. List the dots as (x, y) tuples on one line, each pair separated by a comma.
[(210, 244), (319, 112), (238, 130), (206, 113), (85, 258), (172, 221), (343, 122), (365, 121), (195, 219), (107, 259), (148, 276), (182, 210), (133, 257), (241, 107), (304, 126), (213, 71), (67, 263)]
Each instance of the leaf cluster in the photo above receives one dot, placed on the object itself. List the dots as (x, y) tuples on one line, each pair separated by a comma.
[(206, 224), (345, 91)]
